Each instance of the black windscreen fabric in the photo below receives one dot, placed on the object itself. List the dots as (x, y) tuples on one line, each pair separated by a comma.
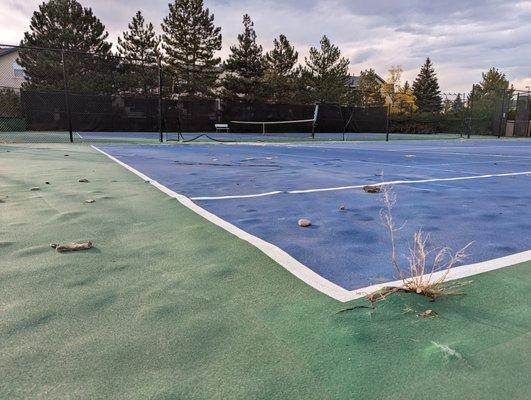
[(47, 111), (264, 112), (523, 111)]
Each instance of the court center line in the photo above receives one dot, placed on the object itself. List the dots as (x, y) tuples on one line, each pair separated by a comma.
[(388, 183), (304, 273)]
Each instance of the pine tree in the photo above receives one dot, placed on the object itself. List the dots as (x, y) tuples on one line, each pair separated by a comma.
[(281, 73), (52, 26), (140, 43), (457, 104), (370, 89), (245, 66), (326, 73), (426, 89), (493, 81), (140, 54), (486, 97), (190, 40)]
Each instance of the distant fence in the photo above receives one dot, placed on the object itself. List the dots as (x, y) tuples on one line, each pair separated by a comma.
[(50, 94)]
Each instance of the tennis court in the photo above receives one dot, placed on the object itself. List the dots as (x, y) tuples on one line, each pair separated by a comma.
[(457, 191)]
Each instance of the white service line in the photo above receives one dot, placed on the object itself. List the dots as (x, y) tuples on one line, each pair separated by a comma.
[(303, 272), (388, 183)]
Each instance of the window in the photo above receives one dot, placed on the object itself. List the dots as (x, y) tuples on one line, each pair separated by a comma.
[(18, 71)]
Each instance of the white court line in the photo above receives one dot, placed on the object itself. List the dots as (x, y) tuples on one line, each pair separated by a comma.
[(388, 183), (81, 137), (303, 272)]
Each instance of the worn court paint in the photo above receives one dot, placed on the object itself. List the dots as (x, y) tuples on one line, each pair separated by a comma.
[(350, 249)]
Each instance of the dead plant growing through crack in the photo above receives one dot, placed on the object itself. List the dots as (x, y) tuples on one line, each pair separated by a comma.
[(427, 267)]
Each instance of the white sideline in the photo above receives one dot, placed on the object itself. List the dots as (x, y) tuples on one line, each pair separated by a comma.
[(303, 272), (330, 189)]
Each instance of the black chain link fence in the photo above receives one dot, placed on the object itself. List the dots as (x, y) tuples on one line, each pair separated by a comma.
[(49, 95)]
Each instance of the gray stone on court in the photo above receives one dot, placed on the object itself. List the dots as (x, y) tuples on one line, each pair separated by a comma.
[(304, 222)]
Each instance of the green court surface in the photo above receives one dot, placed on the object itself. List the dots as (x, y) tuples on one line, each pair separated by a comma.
[(169, 306)]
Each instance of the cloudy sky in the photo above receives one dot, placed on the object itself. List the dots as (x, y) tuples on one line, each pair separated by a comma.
[(463, 37)]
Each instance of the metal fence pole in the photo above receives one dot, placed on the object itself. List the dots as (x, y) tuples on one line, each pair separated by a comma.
[(471, 110), (502, 114), (161, 136), (387, 123), (67, 101)]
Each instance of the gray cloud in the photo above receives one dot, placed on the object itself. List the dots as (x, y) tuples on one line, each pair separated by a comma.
[(463, 37)]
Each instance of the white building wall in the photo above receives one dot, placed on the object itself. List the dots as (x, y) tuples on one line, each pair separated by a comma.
[(7, 71)]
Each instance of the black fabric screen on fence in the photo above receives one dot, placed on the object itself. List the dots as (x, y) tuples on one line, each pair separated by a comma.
[(523, 112), (47, 111)]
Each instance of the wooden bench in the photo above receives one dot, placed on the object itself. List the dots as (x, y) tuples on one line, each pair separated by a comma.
[(222, 127)]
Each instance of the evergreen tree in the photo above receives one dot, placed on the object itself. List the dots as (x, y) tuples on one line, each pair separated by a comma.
[(140, 43), (139, 50), (457, 104), (486, 97), (426, 89), (190, 40), (493, 82), (326, 73), (245, 66), (65, 24), (281, 73), (370, 89)]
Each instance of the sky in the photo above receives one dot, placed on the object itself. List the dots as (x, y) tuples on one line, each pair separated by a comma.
[(462, 37)]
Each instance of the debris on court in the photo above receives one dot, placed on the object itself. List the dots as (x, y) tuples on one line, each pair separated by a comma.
[(90, 201), (428, 313), (342, 207), (47, 182), (74, 246), (83, 180), (304, 222), (35, 188), (372, 189), (3, 198)]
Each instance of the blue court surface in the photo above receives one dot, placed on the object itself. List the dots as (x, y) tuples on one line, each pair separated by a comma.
[(457, 191)]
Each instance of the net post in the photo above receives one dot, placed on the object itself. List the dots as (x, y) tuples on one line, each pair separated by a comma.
[(315, 115), (161, 136), (67, 100), (387, 123)]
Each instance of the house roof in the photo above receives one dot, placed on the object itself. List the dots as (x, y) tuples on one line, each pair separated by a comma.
[(354, 80), (7, 50)]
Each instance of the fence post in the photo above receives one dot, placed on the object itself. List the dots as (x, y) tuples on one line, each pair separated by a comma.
[(502, 113), (161, 136), (67, 101), (471, 110), (387, 123)]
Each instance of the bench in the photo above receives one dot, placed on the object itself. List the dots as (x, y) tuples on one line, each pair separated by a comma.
[(222, 127)]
